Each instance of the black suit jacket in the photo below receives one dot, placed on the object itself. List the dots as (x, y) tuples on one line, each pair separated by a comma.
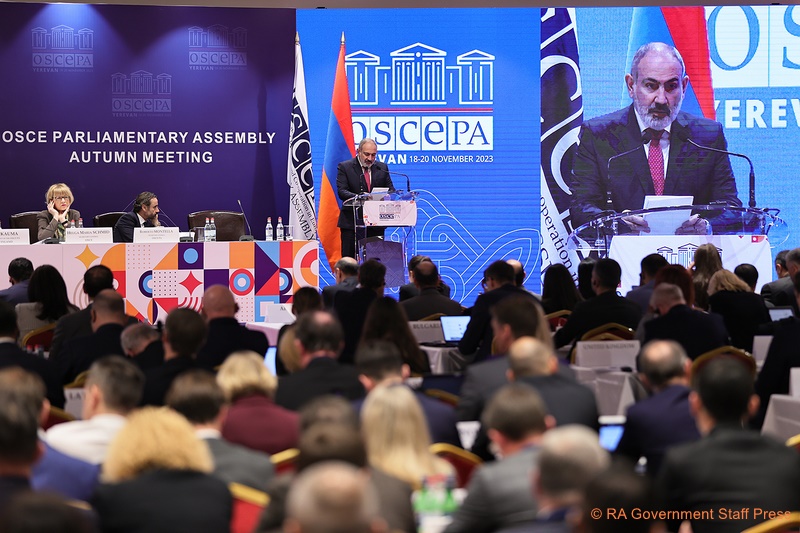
[(409, 290), (13, 355), (780, 293), (742, 312), (696, 331), (705, 175), (151, 357), (123, 229), (602, 309), (350, 182), (323, 375), (74, 326), (329, 292), (351, 308), (783, 355), (158, 379), (79, 354), (225, 336), (430, 301)]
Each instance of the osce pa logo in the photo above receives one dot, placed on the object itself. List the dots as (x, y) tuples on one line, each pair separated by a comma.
[(420, 100), (62, 49), (142, 94), (217, 48)]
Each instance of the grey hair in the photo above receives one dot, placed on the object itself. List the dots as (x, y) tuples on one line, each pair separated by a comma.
[(655, 47)]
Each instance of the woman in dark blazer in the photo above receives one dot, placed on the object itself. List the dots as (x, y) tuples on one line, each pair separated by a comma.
[(58, 216), (741, 309)]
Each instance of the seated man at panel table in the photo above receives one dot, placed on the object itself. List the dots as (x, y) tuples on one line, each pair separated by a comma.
[(663, 420), (429, 301), (345, 272), (730, 467), (144, 215), (20, 271)]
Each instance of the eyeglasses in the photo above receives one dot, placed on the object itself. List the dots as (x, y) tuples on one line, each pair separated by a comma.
[(59, 198)]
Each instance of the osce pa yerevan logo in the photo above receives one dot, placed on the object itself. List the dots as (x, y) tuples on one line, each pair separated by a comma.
[(62, 49), (141, 94), (217, 48)]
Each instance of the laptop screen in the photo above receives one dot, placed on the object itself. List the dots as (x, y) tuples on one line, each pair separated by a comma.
[(453, 327), (269, 359), (779, 313)]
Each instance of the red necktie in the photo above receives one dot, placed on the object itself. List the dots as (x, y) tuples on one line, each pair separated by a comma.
[(366, 178), (655, 157)]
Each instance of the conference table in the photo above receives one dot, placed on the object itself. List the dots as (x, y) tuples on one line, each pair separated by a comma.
[(155, 278)]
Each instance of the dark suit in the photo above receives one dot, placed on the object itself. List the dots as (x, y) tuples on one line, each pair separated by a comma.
[(48, 227), (123, 229), (329, 292), (323, 375), (16, 294), (783, 355), (157, 380), (430, 301), (730, 468), (351, 308), (225, 336), (13, 355), (656, 424), (152, 356), (696, 331), (602, 309), (350, 182), (165, 501), (742, 313), (780, 293), (642, 294), (79, 354), (409, 290), (74, 326), (255, 422), (705, 175), (237, 464)]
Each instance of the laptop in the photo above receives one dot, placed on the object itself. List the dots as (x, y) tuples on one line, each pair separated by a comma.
[(269, 359), (779, 313), (453, 328)]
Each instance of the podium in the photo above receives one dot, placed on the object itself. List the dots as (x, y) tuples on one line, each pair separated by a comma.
[(741, 234)]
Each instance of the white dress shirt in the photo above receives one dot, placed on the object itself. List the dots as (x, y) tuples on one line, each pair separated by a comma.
[(86, 439)]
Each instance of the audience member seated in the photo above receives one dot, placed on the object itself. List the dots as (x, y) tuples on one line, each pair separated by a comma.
[(12, 355), (225, 334), (184, 334), (559, 292), (730, 467), (387, 321), (142, 343), (196, 395), (345, 272), (158, 479), (108, 319), (707, 262), (36, 511), (585, 269), (409, 290), (663, 420), (498, 282), (430, 300), (319, 338), (397, 437), (619, 488), (696, 331), (379, 364), (519, 276), (53, 221), (19, 274), (113, 390), (741, 309), (780, 292), (304, 300), (330, 498), (676, 275), (351, 307), (47, 301), (607, 306), (253, 420), (747, 273), (650, 265), (499, 494)]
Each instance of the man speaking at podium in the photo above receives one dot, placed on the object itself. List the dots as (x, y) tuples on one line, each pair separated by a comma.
[(355, 176), (666, 163)]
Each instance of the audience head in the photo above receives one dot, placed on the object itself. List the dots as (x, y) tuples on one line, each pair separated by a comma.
[(650, 264), (725, 280), (516, 416), (518, 316), (96, 279), (218, 302), (330, 441), (328, 409), (796, 285), (136, 337), (155, 438), (196, 395), (40, 512), (27, 387), (372, 275), (585, 269), (20, 269), (558, 288), (528, 356), (387, 320), (346, 267), (333, 497), (665, 297), (48, 288), (318, 333), (606, 276), (306, 299), (184, 333), (114, 385), (747, 273), (21, 400), (519, 272), (244, 374), (288, 352), (379, 361), (621, 489), (723, 394), (497, 274), (108, 308), (680, 276), (707, 259), (426, 275), (793, 261), (8, 320), (780, 264), (662, 363), (414, 261)]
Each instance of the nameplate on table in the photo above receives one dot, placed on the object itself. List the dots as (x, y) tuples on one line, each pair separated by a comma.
[(89, 235), (614, 354), (278, 313), (427, 331), (15, 236), (159, 234)]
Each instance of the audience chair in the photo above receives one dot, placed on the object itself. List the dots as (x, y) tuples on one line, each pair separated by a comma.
[(248, 504), (80, 381), (230, 224), (783, 523), (609, 332), (443, 396), (26, 220), (431, 318), (56, 416), (284, 461), (42, 336), (558, 319), (107, 220), (794, 442), (463, 461), (731, 352)]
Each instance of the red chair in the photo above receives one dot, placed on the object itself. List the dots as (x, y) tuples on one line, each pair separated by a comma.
[(40, 337), (463, 461), (558, 319), (284, 461), (730, 352), (248, 504)]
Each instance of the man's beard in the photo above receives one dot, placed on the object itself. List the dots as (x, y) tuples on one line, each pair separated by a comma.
[(658, 123)]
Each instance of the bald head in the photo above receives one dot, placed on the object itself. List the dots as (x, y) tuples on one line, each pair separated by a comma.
[(519, 271), (345, 267), (663, 363), (426, 275), (529, 356), (218, 302), (108, 308)]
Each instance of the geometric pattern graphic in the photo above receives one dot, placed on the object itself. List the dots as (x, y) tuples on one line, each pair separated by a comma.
[(157, 278)]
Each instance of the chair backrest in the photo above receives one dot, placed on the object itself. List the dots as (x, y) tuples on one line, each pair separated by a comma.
[(284, 461), (794, 442), (248, 504), (731, 352), (558, 319), (107, 220), (56, 416), (780, 524), (463, 462), (443, 396), (80, 381), (41, 336), (26, 220), (434, 316), (230, 224), (609, 332)]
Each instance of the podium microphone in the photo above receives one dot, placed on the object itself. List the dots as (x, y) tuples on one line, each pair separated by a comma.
[(646, 136), (249, 236), (685, 138), (408, 180)]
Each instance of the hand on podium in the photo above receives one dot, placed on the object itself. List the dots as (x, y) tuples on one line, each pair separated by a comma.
[(636, 223), (694, 226)]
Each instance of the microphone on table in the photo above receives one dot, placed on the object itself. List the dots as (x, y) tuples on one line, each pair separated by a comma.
[(646, 137), (249, 236)]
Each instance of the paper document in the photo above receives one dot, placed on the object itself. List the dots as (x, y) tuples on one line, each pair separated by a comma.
[(666, 222)]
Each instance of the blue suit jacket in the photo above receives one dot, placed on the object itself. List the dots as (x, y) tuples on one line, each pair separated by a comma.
[(65, 475), (705, 175), (16, 294)]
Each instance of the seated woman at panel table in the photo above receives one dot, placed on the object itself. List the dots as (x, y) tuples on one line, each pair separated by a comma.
[(47, 301), (58, 216)]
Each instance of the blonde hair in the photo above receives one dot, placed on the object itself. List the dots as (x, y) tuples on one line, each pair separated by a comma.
[(288, 352), (397, 437), (244, 373), (725, 280), (58, 189), (155, 438)]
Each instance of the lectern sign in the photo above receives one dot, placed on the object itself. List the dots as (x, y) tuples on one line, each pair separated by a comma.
[(390, 213)]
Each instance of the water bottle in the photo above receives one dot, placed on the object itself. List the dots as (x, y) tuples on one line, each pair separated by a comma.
[(212, 231), (80, 223), (269, 236), (206, 229), (279, 230)]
